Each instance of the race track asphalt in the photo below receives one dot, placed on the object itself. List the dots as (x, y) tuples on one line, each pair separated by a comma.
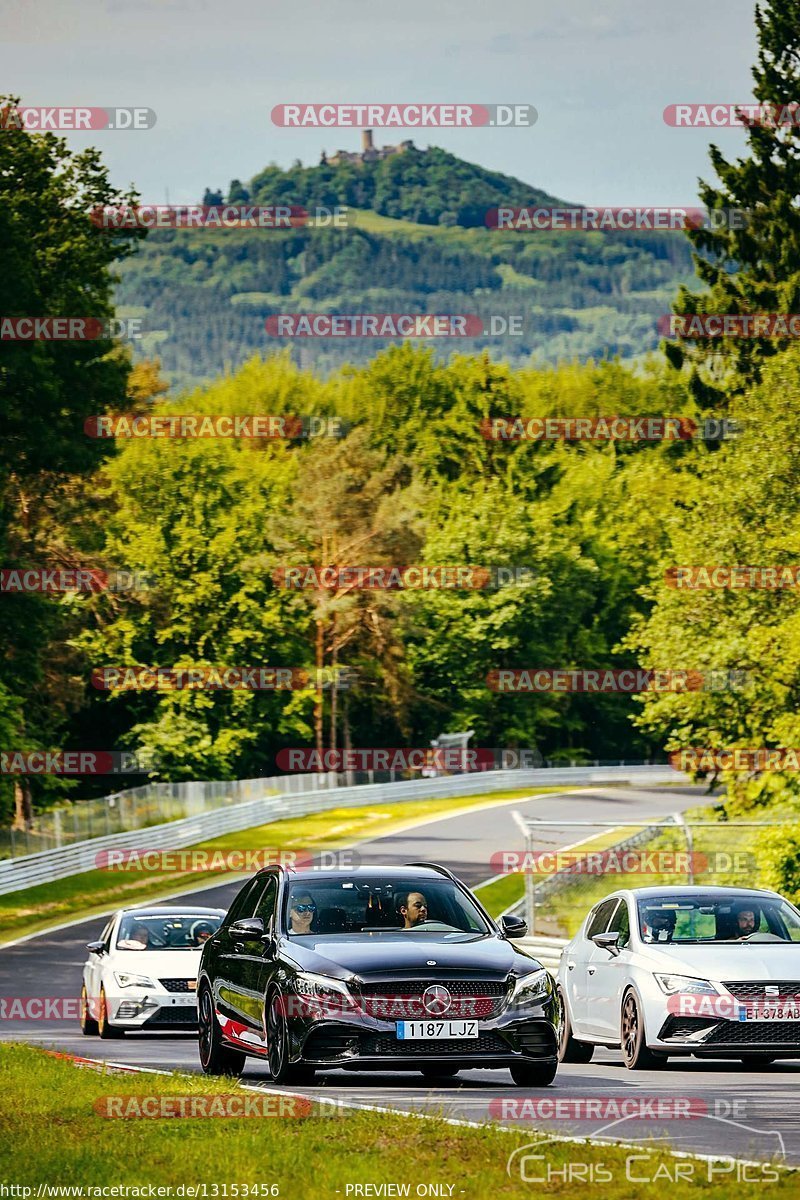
[(751, 1114)]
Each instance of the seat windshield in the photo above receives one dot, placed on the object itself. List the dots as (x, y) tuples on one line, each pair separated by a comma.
[(404, 903), (183, 931), (717, 917)]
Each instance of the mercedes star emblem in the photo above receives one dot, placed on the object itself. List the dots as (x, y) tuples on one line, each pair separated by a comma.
[(436, 1000)]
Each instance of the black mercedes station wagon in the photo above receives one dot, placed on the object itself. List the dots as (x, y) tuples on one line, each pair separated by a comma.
[(382, 968)]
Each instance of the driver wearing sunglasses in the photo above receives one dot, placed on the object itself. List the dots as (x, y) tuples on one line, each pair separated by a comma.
[(302, 912)]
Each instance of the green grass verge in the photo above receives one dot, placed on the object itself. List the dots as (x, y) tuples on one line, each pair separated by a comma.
[(95, 892), (499, 894), (52, 1134)]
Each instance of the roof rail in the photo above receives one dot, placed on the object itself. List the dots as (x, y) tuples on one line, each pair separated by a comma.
[(433, 867)]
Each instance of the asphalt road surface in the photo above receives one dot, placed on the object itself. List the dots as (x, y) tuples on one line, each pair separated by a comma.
[(749, 1114)]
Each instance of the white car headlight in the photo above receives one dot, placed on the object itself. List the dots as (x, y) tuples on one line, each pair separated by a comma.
[(126, 979), (530, 989), (323, 988), (672, 984)]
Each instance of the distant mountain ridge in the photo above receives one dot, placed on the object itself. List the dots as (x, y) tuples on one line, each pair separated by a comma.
[(416, 241)]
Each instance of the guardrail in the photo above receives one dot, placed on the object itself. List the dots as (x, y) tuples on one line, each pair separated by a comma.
[(548, 950), (49, 865)]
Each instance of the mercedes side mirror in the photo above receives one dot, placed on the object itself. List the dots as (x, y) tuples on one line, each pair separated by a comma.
[(513, 927), (608, 941), (96, 947), (249, 930)]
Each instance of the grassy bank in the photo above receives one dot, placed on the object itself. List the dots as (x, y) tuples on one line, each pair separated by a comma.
[(53, 1134), (95, 892)]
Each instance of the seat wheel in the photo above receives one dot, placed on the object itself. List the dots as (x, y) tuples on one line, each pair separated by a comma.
[(88, 1023), (635, 1053), (104, 1026), (215, 1059), (569, 1049)]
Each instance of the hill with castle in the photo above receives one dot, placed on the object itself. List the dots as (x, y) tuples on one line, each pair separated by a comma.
[(416, 242)]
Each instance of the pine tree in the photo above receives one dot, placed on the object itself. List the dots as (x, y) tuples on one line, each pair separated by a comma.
[(750, 263)]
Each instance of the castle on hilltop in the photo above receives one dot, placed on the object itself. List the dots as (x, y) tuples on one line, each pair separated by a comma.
[(369, 152)]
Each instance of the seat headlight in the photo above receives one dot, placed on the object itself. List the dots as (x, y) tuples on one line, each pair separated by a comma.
[(126, 979), (672, 984), (532, 988)]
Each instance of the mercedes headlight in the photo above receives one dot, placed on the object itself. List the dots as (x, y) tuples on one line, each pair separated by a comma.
[(125, 979), (533, 988), (672, 984), (323, 989)]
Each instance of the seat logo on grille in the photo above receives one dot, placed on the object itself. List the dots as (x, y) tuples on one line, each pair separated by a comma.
[(436, 1000)]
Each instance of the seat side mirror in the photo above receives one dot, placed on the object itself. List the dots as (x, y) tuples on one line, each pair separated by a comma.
[(608, 941), (96, 947), (513, 927)]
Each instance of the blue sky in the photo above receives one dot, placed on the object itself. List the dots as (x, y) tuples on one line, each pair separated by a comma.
[(599, 75)]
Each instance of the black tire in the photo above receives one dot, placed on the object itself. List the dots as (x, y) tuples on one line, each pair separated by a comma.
[(570, 1050), (534, 1074), (635, 1052), (104, 1026), (88, 1024), (281, 1070), (756, 1061), (215, 1059), (433, 1072)]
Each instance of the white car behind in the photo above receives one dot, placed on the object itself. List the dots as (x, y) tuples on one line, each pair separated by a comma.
[(141, 973), (660, 971)]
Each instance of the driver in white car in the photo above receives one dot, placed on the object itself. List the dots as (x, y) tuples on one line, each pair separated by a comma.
[(659, 925), (747, 920), (139, 939)]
